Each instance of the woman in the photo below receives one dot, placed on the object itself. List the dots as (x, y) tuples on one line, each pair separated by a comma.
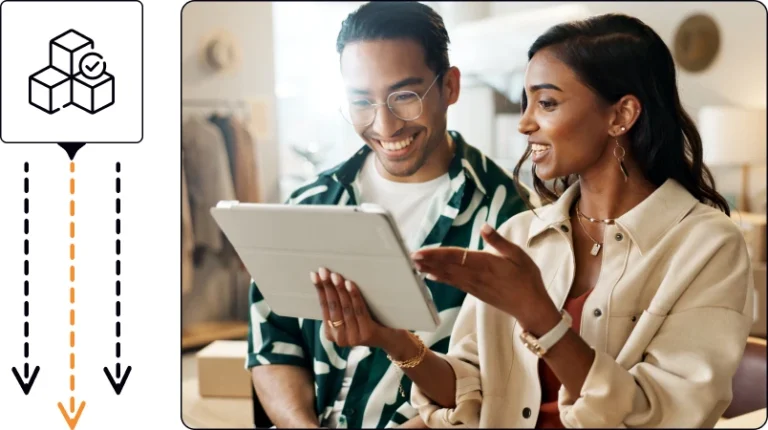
[(636, 248)]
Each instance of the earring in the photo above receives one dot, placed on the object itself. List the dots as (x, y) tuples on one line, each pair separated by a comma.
[(620, 157)]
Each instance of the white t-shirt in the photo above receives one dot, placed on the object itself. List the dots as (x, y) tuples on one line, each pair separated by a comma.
[(408, 204)]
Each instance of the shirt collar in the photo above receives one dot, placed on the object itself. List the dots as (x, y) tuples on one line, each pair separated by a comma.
[(645, 224), (467, 160)]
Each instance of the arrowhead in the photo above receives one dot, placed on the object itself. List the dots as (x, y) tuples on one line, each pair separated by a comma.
[(72, 149), (72, 421), (26, 386), (118, 385)]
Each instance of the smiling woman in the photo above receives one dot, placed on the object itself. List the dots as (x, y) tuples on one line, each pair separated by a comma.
[(622, 282)]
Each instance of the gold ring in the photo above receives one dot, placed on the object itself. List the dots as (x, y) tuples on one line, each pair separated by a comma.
[(464, 258), (338, 323)]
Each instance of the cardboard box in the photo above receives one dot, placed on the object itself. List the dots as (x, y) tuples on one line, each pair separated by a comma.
[(221, 370)]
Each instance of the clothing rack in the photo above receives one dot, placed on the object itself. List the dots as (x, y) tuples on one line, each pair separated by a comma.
[(229, 104)]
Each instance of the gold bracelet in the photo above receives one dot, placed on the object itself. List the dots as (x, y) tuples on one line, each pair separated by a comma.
[(411, 362)]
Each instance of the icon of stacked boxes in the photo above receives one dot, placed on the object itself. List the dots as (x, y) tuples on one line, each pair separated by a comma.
[(61, 83)]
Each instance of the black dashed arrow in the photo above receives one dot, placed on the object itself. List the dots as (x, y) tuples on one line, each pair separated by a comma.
[(26, 381), (118, 380)]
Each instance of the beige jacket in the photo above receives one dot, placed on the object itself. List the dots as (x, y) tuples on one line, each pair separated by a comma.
[(668, 320)]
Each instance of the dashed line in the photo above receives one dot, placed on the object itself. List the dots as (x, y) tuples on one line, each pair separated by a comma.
[(117, 270), (72, 288), (26, 270)]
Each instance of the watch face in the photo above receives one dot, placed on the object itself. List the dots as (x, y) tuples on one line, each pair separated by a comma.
[(532, 344)]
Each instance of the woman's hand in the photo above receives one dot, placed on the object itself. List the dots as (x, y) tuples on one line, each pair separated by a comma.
[(347, 320), (510, 281)]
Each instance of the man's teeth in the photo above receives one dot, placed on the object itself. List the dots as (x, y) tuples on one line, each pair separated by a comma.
[(535, 147), (396, 146)]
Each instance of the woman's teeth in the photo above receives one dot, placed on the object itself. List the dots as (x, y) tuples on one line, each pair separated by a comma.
[(396, 146), (537, 148)]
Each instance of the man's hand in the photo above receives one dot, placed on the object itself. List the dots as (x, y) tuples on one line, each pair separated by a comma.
[(347, 320)]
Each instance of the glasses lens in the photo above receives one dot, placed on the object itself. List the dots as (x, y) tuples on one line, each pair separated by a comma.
[(405, 105), (358, 112)]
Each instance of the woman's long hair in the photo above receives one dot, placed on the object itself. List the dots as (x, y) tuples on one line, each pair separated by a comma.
[(616, 55)]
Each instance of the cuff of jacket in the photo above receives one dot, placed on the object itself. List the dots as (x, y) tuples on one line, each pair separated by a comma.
[(606, 397), (469, 397)]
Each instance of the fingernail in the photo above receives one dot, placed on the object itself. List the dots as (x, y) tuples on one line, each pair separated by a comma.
[(431, 277), (416, 256), (348, 284), (486, 228), (418, 266), (313, 277), (336, 279), (323, 273)]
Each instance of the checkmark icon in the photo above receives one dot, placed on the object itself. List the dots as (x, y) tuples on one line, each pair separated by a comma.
[(92, 65)]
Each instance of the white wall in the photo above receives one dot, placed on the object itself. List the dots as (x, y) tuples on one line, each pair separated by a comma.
[(737, 76), (251, 25)]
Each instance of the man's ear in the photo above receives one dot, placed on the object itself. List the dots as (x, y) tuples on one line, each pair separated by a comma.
[(451, 85)]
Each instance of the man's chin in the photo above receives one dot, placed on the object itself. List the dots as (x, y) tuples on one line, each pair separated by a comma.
[(400, 169)]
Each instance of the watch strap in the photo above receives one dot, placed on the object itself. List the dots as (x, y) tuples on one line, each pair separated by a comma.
[(541, 345), (553, 336)]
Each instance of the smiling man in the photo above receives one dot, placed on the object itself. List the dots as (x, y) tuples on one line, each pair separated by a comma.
[(440, 190)]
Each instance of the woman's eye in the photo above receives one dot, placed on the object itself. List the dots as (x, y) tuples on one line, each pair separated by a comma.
[(547, 104)]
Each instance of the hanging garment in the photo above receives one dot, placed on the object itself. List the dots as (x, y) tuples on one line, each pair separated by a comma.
[(209, 179), (225, 128), (212, 295), (246, 163), (187, 236)]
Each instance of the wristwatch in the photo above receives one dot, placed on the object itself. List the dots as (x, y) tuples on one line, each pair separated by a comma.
[(543, 344)]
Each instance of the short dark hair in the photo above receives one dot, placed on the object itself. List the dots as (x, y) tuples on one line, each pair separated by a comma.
[(384, 20), (617, 55)]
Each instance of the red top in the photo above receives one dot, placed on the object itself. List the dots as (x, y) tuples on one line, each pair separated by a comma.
[(549, 414)]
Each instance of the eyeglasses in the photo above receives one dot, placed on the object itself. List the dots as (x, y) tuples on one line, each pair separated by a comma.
[(405, 105)]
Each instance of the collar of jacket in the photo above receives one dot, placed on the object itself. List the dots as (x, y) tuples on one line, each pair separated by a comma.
[(645, 224), (467, 159)]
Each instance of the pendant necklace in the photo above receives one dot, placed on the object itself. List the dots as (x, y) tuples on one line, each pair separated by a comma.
[(597, 245)]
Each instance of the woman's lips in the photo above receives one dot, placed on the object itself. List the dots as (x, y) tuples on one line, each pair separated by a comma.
[(539, 151)]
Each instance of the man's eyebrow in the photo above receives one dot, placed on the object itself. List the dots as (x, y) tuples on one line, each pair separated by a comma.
[(537, 87), (405, 82), (394, 87)]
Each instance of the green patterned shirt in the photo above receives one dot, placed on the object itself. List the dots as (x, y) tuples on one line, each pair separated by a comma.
[(480, 192)]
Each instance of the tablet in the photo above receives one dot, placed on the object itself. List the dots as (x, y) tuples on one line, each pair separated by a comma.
[(281, 244)]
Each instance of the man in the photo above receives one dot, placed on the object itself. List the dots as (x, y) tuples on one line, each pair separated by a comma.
[(440, 190)]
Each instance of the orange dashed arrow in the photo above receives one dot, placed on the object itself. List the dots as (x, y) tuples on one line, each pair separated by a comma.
[(68, 415), (72, 421)]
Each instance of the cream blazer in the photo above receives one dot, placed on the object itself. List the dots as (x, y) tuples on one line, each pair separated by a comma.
[(668, 320)]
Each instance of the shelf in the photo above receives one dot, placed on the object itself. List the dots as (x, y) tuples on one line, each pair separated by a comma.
[(201, 334)]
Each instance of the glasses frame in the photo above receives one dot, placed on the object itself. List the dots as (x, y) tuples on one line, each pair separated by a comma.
[(375, 106)]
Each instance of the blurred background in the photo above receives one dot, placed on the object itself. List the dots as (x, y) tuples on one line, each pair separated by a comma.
[(260, 95)]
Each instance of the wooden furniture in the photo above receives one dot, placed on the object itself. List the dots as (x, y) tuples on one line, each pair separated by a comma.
[(200, 335), (749, 383), (753, 420)]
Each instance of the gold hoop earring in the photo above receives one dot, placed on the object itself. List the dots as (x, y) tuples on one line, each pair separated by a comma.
[(620, 158)]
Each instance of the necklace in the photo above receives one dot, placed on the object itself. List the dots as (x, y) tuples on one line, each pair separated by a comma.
[(597, 245), (607, 221)]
